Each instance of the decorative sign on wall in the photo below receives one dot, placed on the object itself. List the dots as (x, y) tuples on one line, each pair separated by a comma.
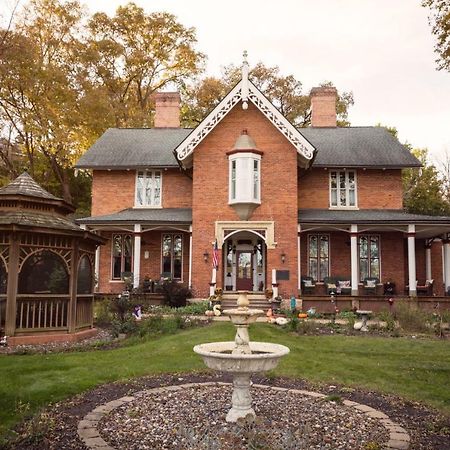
[(282, 275)]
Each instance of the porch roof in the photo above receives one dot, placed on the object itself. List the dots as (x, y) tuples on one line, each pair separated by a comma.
[(142, 215), (367, 216)]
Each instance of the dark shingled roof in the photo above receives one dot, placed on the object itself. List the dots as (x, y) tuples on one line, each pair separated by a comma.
[(36, 219), (366, 216), (136, 215), (358, 147), (121, 148), (25, 185)]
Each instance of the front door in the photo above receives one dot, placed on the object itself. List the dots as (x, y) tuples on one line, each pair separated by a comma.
[(244, 273)]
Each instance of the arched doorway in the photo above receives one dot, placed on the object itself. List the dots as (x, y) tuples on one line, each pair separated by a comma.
[(244, 261)]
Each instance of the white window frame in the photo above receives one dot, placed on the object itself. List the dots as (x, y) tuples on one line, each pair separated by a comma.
[(368, 236), (171, 262), (318, 257), (146, 172), (244, 182), (347, 190)]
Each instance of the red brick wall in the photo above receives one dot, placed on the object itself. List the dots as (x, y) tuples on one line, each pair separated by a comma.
[(177, 189), (436, 268), (278, 193), (112, 191), (377, 189)]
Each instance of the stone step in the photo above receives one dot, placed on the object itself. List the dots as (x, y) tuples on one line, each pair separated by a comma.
[(256, 304), (251, 296)]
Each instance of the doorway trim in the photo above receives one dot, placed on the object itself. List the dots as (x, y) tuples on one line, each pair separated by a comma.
[(265, 230)]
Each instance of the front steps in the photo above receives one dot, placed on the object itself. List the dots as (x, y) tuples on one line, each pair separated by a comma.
[(257, 300)]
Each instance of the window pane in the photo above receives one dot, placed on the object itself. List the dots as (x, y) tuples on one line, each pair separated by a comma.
[(342, 197), (323, 246), (84, 282), (313, 268), (333, 184), (375, 268), (323, 269), (351, 180), (157, 190), (117, 245), (342, 180), (374, 247), (140, 189), (363, 269), (177, 256), (43, 272), (127, 245), (256, 179), (363, 251), (333, 197), (313, 246), (167, 253), (351, 198), (233, 179)]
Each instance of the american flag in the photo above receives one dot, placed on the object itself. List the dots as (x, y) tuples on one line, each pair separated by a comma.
[(215, 258)]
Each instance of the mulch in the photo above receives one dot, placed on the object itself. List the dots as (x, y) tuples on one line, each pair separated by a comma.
[(57, 427)]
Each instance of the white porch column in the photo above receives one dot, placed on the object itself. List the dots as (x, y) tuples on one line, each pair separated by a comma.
[(97, 267), (137, 255), (412, 260), (354, 258), (446, 265), (428, 262), (299, 263), (190, 257), (274, 283)]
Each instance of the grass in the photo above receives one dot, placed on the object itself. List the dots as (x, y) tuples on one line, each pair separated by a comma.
[(414, 369)]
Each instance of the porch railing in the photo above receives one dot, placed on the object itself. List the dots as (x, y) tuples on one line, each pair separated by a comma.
[(42, 313), (85, 311)]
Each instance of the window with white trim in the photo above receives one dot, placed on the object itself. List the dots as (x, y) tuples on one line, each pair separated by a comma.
[(148, 188), (121, 255), (245, 178), (343, 188), (369, 256), (172, 256), (318, 256)]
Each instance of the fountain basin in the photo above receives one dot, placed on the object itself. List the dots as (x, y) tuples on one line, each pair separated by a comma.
[(218, 356)]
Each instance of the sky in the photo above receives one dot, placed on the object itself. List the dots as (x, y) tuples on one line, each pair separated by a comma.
[(381, 50)]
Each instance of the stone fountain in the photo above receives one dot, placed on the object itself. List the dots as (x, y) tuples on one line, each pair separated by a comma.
[(241, 358)]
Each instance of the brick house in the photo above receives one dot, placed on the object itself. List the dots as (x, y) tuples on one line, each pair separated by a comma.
[(282, 204)]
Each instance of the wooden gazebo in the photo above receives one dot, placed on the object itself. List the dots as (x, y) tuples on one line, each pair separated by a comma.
[(46, 267)]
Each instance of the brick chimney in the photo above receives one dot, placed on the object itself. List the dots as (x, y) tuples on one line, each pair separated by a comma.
[(323, 105), (167, 110)]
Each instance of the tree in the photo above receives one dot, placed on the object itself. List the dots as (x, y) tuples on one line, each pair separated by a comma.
[(132, 55), (439, 19), (423, 193), (285, 92), (63, 82)]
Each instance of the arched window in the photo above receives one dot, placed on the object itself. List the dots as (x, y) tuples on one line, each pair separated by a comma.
[(3, 277), (43, 272), (84, 282)]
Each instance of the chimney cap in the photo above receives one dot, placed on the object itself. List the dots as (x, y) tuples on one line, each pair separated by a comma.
[(323, 91)]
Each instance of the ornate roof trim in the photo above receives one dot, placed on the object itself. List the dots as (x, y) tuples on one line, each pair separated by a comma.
[(304, 148)]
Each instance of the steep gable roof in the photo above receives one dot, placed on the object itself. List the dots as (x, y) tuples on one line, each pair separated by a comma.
[(245, 90)]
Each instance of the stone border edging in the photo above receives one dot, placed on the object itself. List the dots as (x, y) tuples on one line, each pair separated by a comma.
[(88, 432)]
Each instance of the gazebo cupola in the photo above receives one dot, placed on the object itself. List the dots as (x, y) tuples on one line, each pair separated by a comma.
[(244, 176), (46, 266)]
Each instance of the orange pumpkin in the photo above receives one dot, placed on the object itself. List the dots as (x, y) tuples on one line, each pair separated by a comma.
[(302, 316)]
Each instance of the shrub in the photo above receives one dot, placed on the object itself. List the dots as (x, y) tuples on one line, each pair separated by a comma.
[(121, 307), (411, 318), (175, 294), (102, 312), (195, 309), (388, 319), (350, 316)]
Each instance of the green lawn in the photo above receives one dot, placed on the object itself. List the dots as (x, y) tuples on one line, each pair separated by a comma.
[(414, 369)]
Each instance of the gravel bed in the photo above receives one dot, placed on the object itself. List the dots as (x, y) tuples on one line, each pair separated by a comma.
[(195, 418), (102, 336)]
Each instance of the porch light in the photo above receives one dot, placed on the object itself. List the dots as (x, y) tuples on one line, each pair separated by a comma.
[(283, 257), (205, 256)]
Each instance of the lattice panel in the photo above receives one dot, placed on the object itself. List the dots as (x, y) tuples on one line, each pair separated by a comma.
[(66, 255), (205, 128), (269, 112), (4, 254)]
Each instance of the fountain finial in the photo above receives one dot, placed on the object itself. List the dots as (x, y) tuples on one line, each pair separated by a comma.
[(242, 300)]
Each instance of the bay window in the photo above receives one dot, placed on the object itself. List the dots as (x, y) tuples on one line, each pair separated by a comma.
[(343, 188), (369, 256), (148, 188), (318, 256)]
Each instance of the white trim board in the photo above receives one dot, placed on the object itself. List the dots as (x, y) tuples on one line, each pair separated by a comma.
[(304, 148)]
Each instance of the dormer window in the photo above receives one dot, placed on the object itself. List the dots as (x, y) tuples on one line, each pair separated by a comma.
[(343, 189), (244, 176), (148, 188)]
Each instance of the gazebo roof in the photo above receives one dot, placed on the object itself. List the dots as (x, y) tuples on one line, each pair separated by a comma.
[(25, 185)]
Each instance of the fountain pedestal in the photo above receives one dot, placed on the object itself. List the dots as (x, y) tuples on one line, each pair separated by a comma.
[(241, 357)]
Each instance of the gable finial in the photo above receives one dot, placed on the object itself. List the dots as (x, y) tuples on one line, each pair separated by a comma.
[(244, 93)]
